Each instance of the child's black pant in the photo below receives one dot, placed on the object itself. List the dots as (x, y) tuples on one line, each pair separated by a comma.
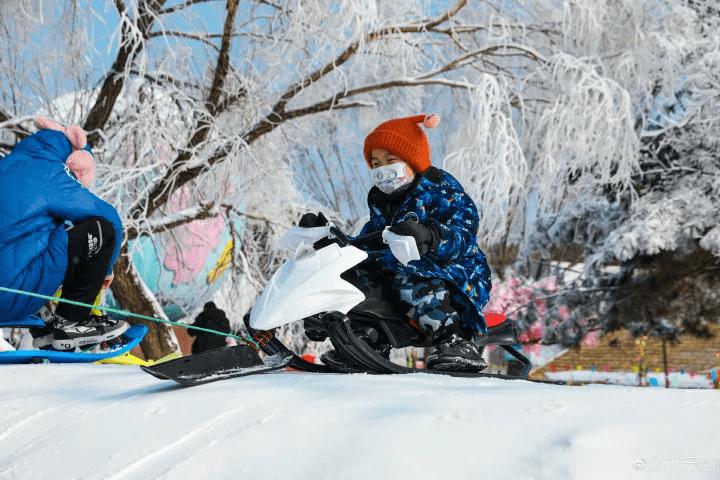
[(90, 248)]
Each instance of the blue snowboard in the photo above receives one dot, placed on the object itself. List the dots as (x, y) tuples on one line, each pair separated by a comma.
[(133, 334)]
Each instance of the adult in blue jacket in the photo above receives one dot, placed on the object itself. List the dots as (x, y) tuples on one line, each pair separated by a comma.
[(54, 232)]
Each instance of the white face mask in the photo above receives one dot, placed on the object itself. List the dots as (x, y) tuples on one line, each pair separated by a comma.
[(390, 177)]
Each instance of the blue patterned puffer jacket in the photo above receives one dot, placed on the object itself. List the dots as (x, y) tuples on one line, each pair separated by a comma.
[(439, 199), (38, 193)]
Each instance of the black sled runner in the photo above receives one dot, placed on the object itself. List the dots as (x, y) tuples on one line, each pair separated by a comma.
[(214, 365)]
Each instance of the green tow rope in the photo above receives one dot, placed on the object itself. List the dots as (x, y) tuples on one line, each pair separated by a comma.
[(246, 338)]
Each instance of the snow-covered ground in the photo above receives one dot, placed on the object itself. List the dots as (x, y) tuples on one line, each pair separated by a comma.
[(116, 422)]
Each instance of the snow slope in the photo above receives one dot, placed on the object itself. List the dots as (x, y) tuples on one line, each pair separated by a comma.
[(116, 422)]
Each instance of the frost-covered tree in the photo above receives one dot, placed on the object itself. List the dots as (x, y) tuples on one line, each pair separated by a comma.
[(651, 252), (243, 109)]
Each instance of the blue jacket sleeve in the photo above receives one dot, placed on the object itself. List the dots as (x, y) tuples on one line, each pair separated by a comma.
[(68, 200), (456, 219)]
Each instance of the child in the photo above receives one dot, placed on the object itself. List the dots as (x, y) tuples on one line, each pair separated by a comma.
[(445, 290), (54, 232)]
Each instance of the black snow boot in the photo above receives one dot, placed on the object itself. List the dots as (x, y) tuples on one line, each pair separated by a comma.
[(455, 354)]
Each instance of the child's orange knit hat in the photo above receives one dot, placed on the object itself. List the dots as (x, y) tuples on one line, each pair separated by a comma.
[(403, 138)]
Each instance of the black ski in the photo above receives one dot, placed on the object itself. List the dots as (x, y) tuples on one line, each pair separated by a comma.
[(220, 364)]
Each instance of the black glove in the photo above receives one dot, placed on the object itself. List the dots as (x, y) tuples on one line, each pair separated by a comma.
[(310, 220), (426, 237)]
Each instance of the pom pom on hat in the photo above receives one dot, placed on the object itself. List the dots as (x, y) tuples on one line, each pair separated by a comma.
[(80, 161), (432, 120), (404, 138)]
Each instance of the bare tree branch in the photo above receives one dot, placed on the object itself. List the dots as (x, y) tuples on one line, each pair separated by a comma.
[(179, 175), (130, 47), (183, 6)]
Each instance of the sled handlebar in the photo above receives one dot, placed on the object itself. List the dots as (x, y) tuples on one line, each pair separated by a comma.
[(402, 247), (344, 240)]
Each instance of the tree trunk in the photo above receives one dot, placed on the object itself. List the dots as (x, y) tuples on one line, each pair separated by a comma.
[(133, 295)]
